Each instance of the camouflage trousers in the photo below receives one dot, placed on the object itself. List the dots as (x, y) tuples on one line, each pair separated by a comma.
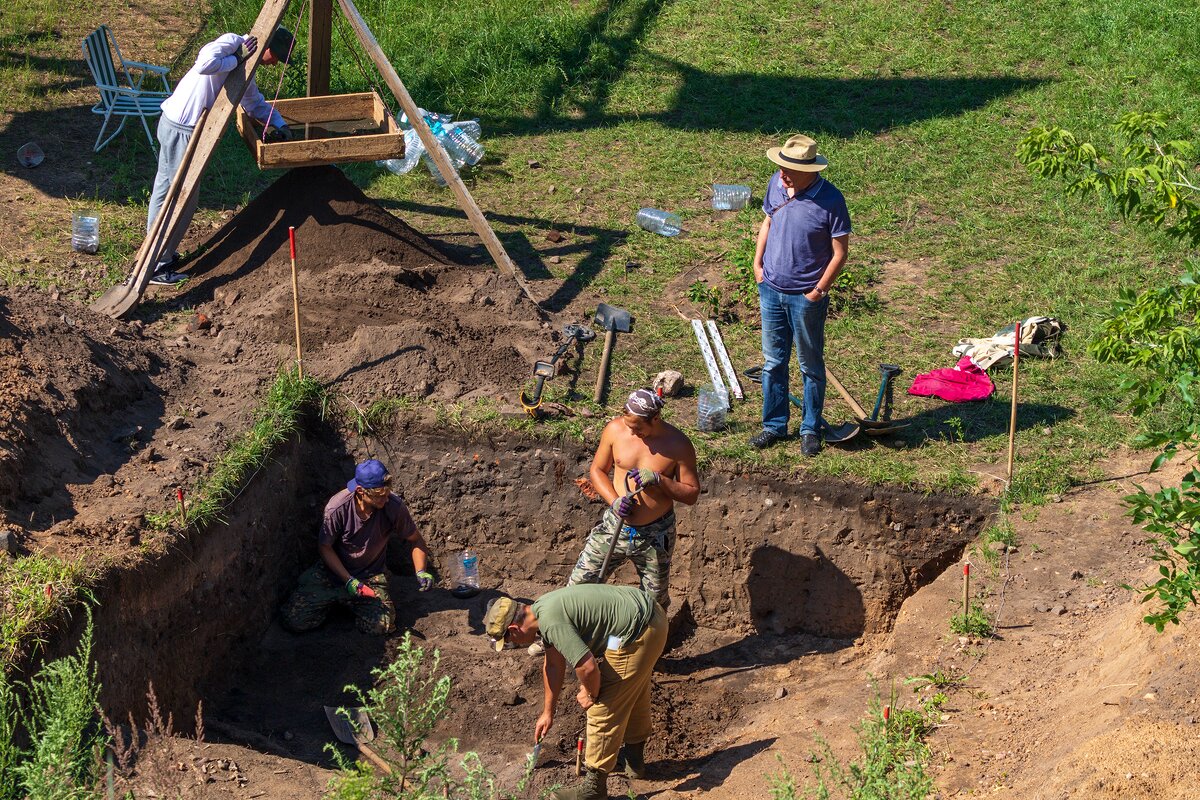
[(319, 590), (648, 546)]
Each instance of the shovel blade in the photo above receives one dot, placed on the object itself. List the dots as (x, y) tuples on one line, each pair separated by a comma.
[(836, 434), (611, 318), (350, 725), (117, 301)]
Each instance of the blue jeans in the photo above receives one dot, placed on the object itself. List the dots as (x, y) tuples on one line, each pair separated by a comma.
[(788, 318)]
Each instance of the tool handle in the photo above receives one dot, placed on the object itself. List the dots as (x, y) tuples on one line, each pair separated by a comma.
[(616, 532), (374, 758), (850, 401), (609, 339), (884, 379)]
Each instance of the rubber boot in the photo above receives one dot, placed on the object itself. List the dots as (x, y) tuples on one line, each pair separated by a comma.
[(635, 760), (593, 787)]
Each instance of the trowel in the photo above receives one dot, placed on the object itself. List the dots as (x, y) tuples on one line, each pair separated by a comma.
[(353, 726)]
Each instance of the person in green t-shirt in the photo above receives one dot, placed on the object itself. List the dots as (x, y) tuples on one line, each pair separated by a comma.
[(612, 636)]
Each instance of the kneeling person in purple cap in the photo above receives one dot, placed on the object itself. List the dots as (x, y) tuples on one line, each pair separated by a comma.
[(359, 521), (612, 636)]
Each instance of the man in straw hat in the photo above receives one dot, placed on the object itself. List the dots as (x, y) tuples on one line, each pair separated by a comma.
[(802, 245), (194, 94), (612, 636)]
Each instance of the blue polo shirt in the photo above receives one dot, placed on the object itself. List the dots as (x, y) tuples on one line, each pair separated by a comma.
[(800, 241)]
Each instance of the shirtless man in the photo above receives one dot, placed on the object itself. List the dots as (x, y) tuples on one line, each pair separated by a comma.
[(641, 451)]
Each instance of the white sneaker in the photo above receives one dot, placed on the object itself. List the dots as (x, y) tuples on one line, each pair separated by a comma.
[(537, 648)]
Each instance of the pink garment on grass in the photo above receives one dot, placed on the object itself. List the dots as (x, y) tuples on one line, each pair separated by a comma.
[(960, 384)]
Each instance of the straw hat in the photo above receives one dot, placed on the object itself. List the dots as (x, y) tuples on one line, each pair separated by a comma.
[(798, 153)]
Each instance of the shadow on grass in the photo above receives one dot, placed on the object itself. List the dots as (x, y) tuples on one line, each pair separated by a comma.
[(976, 421), (594, 244)]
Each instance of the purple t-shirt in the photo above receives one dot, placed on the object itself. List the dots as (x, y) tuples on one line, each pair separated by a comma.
[(800, 241), (361, 544)]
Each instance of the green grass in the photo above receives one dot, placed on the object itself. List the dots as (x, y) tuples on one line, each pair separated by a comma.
[(919, 107), (32, 590), (275, 420)]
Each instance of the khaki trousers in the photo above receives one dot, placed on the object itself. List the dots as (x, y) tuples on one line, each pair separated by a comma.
[(622, 712)]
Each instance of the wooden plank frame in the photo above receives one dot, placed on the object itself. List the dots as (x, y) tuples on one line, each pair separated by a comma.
[(335, 150)]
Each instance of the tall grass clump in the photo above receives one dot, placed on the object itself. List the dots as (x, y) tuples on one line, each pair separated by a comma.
[(31, 588), (275, 420)]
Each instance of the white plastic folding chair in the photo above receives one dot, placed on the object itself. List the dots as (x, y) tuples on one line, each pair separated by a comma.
[(120, 94)]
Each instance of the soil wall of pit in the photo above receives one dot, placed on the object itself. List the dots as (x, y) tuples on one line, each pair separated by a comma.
[(183, 615), (756, 553)]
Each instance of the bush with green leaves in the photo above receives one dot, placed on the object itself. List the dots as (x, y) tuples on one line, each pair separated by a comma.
[(1154, 333), (406, 702)]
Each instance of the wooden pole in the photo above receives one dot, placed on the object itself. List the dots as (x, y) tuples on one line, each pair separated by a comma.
[(433, 146), (320, 42), (966, 587), (1012, 417), (296, 301)]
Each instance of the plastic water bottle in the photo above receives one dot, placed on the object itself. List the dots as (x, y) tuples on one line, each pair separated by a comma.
[(413, 150), (663, 223), (85, 231), (434, 172), (470, 127), (470, 569), (472, 150), (729, 197), (457, 156)]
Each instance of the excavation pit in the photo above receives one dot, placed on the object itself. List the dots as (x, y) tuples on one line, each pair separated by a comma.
[(767, 571)]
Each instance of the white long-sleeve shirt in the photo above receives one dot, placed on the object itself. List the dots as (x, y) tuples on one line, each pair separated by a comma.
[(197, 90)]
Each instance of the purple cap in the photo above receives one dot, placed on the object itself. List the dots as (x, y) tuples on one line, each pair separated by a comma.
[(369, 474)]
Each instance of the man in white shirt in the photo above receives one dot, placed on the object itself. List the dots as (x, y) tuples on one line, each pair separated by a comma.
[(195, 93)]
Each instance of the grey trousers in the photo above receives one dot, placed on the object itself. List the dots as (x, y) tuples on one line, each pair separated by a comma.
[(173, 140)]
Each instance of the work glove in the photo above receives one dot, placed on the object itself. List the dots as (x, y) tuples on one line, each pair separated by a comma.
[(249, 45), (644, 478), (357, 588), (424, 581), (623, 506), (281, 134)]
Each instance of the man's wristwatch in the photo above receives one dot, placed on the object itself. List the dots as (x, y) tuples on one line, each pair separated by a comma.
[(820, 291)]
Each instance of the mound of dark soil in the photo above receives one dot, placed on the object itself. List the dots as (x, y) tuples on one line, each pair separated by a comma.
[(382, 309), (75, 389)]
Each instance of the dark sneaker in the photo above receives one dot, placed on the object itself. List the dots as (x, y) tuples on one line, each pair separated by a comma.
[(764, 439), (810, 444), (167, 278)]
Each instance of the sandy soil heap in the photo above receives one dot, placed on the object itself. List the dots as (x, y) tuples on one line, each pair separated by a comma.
[(383, 309)]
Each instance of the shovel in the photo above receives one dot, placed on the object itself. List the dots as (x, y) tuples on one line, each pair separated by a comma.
[(612, 320), (353, 726), (870, 425)]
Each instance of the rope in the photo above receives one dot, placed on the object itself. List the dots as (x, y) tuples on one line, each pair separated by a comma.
[(279, 88), (358, 60)]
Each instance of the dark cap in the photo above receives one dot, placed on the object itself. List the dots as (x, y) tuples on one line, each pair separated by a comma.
[(281, 44)]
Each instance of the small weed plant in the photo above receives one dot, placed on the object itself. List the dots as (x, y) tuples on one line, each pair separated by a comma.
[(406, 702), (31, 590), (707, 297), (59, 720), (938, 679), (972, 622), (893, 760)]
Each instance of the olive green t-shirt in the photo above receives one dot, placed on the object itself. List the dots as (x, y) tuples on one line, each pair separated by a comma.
[(582, 618)]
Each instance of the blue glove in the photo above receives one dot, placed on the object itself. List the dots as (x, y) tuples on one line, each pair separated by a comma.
[(424, 581), (643, 478), (622, 506)]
